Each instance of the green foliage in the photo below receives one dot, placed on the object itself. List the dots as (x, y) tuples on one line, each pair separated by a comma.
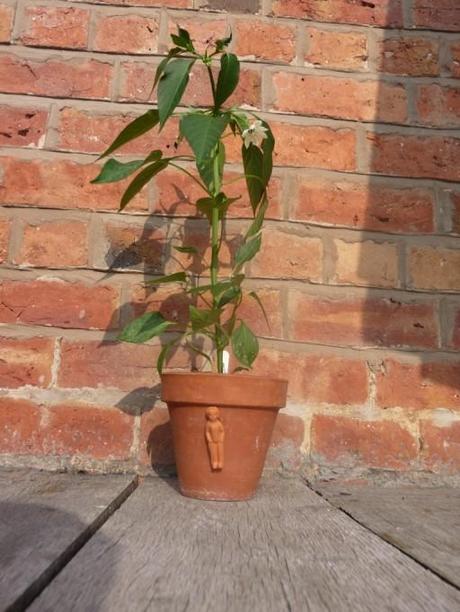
[(133, 130), (144, 328), (213, 305), (171, 87)]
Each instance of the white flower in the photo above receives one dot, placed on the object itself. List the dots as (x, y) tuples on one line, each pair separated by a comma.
[(255, 134)]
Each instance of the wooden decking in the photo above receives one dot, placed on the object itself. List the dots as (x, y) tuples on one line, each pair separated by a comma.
[(107, 543)]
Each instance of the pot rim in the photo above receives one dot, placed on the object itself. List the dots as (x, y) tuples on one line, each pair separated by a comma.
[(219, 375)]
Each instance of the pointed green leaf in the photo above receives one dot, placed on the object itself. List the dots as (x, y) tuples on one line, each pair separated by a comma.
[(177, 277), (268, 146), (245, 345), (223, 42), (256, 225), (182, 39), (205, 205), (254, 296), (254, 171), (172, 86), (186, 249), (201, 318), (247, 251), (145, 328), (202, 133), (140, 180), (228, 296), (133, 130), (164, 354), (162, 65), (114, 170), (228, 78)]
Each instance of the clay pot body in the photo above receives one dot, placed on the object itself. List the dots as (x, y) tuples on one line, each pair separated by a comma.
[(222, 426)]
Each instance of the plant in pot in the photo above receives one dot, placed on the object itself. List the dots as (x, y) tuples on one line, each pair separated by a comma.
[(222, 423)]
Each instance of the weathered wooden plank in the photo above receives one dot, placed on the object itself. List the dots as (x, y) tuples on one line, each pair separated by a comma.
[(423, 522), (287, 549), (44, 520)]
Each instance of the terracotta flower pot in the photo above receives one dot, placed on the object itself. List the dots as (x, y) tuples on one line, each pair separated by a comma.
[(222, 426)]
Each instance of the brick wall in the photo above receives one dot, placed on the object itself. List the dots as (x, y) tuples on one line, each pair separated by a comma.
[(360, 268)]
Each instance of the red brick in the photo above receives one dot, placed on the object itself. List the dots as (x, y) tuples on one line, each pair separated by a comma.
[(434, 268), (316, 378), (25, 361), (85, 78), (441, 446), (137, 81), (441, 15), (408, 55), (286, 255), (22, 127), (202, 31), (127, 34), (339, 97), (156, 445), (5, 229), (6, 23), (93, 133), (263, 40), (128, 246), (415, 156), (55, 244), (287, 439), (337, 50), (439, 106), (362, 322), (455, 60), (19, 427), (364, 206), (58, 303), (352, 442), (107, 364), (50, 26), (455, 204), (454, 326), (383, 13), (59, 184), (422, 386), (80, 430), (314, 146), (366, 263), (176, 194)]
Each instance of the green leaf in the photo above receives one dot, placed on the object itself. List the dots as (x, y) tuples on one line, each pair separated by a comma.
[(256, 225), (229, 76), (162, 65), (183, 40), (205, 205), (186, 249), (145, 328), (177, 277), (253, 162), (164, 354), (201, 318), (172, 86), (202, 133), (268, 146), (254, 295), (247, 251), (223, 42), (245, 345), (228, 296), (140, 180), (241, 120), (114, 170), (133, 130)]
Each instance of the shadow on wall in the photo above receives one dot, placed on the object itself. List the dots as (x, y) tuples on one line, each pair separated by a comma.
[(412, 303)]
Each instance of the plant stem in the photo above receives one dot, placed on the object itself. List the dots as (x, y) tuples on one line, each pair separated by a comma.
[(215, 240)]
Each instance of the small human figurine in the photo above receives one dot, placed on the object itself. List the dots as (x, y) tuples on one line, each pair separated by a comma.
[(215, 437)]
